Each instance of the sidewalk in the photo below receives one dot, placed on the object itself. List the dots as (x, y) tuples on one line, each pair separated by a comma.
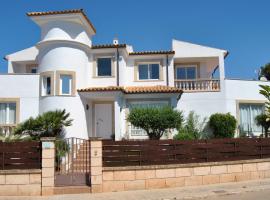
[(199, 192)]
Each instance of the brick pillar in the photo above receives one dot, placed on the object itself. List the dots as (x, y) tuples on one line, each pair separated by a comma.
[(96, 165), (48, 165)]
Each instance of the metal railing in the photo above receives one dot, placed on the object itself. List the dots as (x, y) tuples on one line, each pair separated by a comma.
[(197, 85)]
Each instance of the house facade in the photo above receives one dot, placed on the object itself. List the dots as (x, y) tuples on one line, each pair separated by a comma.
[(99, 84)]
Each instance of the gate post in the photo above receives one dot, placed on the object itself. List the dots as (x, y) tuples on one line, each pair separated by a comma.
[(96, 164), (48, 165)]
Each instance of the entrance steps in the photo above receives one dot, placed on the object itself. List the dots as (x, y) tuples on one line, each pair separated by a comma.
[(72, 189)]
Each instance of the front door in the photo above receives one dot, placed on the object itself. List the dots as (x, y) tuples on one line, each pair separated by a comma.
[(103, 120)]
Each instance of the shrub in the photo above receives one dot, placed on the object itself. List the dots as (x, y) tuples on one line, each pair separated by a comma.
[(262, 120), (192, 129), (49, 124), (155, 121), (222, 125)]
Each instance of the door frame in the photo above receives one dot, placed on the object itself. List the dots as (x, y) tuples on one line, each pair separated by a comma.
[(94, 112)]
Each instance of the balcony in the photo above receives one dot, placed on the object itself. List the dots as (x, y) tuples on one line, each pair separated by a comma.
[(198, 85)]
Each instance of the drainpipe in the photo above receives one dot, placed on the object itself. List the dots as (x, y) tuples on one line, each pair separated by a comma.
[(167, 70), (117, 66)]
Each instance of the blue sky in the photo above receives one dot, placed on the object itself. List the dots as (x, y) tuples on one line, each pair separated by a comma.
[(240, 26)]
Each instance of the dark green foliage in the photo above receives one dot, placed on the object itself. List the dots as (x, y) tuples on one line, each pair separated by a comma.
[(222, 125), (49, 124), (265, 71), (155, 121), (262, 120)]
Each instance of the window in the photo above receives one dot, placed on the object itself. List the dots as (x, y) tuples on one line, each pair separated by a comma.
[(247, 113), (65, 84), (104, 67), (148, 71), (8, 113), (34, 70), (135, 131), (186, 72), (31, 68), (47, 85)]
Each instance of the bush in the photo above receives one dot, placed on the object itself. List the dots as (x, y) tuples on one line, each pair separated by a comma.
[(222, 125), (193, 128), (49, 124), (155, 121)]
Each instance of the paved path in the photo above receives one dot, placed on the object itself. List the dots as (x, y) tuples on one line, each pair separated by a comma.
[(259, 190)]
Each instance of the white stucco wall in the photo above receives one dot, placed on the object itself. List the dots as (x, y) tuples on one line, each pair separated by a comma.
[(24, 87)]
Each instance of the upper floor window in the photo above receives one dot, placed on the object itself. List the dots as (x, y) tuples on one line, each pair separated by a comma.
[(65, 81), (148, 71), (65, 84), (8, 113), (47, 83), (31, 68), (186, 72), (104, 67)]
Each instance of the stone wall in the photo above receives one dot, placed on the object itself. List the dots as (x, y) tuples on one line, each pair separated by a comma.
[(20, 182), (164, 176)]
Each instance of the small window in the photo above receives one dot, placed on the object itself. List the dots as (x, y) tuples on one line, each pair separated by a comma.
[(34, 70), (104, 67), (8, 113), (186, 72), (148, 71), (65, 84), (47, 85)]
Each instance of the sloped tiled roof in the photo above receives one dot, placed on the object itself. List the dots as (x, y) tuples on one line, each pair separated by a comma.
[(150, 53), (104, 46), (134, 89), (74, 11)]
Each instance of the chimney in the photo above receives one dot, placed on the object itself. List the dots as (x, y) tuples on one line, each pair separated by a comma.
[(115, 41)]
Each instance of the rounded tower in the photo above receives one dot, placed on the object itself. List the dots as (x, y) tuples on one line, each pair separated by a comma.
[(62, 63)]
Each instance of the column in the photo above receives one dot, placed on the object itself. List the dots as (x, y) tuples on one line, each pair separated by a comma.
[(96, 165), (48, 165)]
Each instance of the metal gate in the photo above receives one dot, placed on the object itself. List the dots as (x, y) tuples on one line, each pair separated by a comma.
[(72, 162)]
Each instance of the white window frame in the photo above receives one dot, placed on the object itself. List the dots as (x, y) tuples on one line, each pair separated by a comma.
[(9, 101), (135, 131), (100, 57), (187, 66), (148, 71), (44, 86)]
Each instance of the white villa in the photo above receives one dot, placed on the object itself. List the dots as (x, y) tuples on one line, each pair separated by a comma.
[(99, 84)]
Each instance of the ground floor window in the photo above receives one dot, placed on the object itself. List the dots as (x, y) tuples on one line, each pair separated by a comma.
[(7, 113), (248, 113), (135, 131)]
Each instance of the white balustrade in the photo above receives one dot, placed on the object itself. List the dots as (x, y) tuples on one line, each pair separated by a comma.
[(198, 85)]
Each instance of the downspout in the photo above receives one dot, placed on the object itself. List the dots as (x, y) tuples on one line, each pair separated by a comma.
[(117, 66), (167, 70)]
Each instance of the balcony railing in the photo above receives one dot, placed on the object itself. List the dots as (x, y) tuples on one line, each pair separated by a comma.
[(198, 85), (6, 129)]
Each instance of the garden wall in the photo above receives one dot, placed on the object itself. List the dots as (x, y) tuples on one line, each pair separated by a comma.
[(20, 182), (180, 175)]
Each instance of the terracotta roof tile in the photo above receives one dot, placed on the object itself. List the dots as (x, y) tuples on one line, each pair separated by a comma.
[(134, 89), (150, 53), (30, 14), (104, 46)]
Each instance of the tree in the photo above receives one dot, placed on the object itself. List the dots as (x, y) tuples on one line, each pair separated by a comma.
[(265, 91), (155, 121), (261, 120), (265, 71), (49, 124), (223, 125)]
